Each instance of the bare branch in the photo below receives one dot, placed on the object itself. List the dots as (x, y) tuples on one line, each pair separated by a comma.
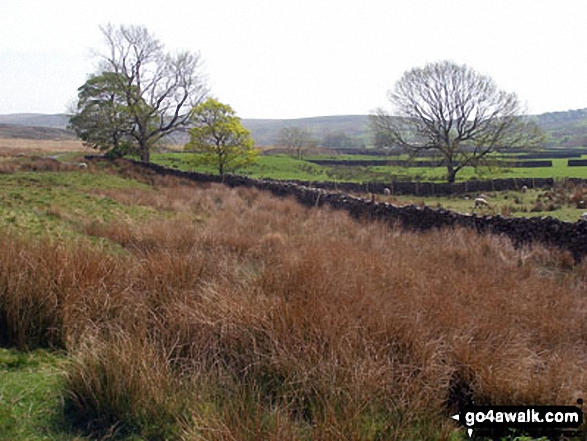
[(160, 88), (456, 111)]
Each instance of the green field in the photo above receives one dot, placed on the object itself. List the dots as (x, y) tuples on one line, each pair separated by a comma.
[(286, 167), (274, 167), (534, 203)]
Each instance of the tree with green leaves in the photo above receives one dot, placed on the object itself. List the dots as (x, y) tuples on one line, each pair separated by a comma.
[(219, 137), (455, 112), (154, 90), (101, 119)]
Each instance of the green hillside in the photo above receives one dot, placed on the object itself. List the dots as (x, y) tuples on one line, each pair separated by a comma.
[(565, 129)]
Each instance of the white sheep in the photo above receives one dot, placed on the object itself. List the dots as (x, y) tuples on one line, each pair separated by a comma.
[(82, 165), (386, 191), (524, 189), (480, 202)]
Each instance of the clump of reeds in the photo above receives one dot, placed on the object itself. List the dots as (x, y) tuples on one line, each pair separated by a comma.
[(49, 289), (119, 383)]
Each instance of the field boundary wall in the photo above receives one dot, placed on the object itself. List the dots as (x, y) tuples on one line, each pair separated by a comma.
[(433, 188), (422, 164), (567, 236)]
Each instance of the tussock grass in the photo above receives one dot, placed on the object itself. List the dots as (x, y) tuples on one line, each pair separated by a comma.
[(50, 291), (119, 383), (242, 316)]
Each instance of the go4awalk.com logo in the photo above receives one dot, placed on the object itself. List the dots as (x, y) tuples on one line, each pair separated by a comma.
[(523, 417)]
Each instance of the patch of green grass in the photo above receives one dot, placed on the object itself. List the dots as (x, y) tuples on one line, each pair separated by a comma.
[(286, 167), (30, 396), (506, 203), (273, 167), (57, 203)]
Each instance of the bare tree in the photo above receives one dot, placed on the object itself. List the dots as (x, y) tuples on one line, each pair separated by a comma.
[(294, 139), (159, 88), (456, 112)]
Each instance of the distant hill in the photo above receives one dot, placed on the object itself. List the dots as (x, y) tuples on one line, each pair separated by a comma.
[(58, 121), (354, 127), (564, 129), (14, 131)]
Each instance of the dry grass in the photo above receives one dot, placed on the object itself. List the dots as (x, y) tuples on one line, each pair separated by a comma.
[(121, 383), (34, 163), (14, 146), (288, 323)]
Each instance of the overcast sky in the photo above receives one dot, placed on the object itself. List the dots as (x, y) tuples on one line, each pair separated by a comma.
[(303, 58)]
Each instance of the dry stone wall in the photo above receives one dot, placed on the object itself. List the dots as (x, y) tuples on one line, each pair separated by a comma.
[(405, 163), (567, 236), (433, 188), (577, 162)]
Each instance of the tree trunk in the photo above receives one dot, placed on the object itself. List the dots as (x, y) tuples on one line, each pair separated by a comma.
[(145, 152), (451, 174)]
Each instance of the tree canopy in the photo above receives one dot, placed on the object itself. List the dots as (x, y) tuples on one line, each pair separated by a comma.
[(219, 137), (151, 91), (101, 119), (456, 112)]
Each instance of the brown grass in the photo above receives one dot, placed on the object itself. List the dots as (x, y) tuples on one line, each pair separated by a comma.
[(34, 163), (288, 323), (14, 146)]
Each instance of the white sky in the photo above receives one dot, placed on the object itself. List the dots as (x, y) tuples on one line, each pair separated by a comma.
[(303, 58)]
